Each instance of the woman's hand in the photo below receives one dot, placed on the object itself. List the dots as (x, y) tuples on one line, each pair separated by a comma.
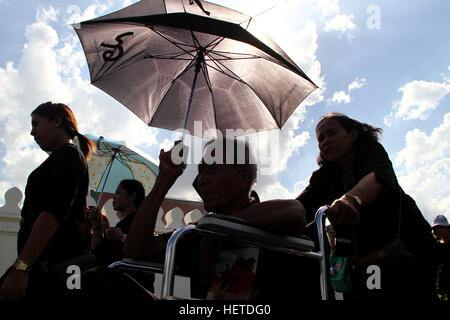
[(114, 234), (344, 212), (94, 216), (15, 285)]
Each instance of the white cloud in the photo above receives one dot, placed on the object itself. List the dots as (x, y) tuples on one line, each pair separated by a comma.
[(340, 97), (421, 149), (344, 97), (270, 188), (47, 15), (425, 168), (419, 99), (387, 120), (126, 3), (328, 7), (301, 46), (76, 15), (341, 22), (49, 70), (356, 84), (332, 18)]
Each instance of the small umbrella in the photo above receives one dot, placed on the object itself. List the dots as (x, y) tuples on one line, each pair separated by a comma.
[(115, 161), (174, 62)]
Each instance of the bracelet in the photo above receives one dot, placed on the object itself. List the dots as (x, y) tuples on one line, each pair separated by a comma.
[(21, 265), (356, 198), (124, 238)]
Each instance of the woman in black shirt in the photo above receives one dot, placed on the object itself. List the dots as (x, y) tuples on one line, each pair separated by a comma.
[(357, 180), (107, 245), (54, 206)]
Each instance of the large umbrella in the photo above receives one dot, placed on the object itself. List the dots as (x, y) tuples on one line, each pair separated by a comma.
[(115, 161), (173, 62)]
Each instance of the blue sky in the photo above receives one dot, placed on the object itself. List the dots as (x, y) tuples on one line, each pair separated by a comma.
[(382, 62)]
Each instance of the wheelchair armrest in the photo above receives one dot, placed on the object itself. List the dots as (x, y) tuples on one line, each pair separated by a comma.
[(242, 231), (138, 265)]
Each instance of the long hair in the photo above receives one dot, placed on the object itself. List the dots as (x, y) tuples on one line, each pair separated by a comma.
[(134, 186), (68, 123), (366, 132)]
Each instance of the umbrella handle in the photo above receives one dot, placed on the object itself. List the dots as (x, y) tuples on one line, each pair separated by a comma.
[(191, 96), (198, 65), (109, 166)]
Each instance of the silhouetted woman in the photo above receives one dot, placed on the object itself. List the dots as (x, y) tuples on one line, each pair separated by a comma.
[(357, 180), (54, 206)]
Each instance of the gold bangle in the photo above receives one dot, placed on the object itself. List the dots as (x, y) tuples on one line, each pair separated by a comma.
[(21, 265), (356, 198)]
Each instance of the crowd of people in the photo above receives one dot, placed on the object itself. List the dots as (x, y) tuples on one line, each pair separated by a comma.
[(372, 222)]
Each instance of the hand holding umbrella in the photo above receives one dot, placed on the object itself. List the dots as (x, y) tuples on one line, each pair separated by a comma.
[(173, 162)]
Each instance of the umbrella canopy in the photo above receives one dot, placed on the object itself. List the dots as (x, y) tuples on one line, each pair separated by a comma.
[(169, 61), (113, 162)]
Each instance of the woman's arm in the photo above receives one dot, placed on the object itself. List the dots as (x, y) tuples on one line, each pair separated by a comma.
[(345, 211), (43, 230), (97, 235), (280, 216), (15, 285), (96, 219), (141, 242)]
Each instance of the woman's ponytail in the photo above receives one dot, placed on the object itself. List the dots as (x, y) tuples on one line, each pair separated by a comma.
[(87, 146)]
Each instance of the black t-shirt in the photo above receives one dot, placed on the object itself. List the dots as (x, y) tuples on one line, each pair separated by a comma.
[(108, 251), (59, 185)]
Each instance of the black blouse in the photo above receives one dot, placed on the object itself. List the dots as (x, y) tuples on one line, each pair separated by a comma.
[(108, 251), (59, 185), (379, 220)]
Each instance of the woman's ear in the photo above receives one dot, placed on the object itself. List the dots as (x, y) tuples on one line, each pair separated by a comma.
[(57, 119)]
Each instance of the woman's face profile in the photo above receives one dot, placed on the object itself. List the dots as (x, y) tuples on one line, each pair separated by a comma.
[(43, 130), (122, 199)]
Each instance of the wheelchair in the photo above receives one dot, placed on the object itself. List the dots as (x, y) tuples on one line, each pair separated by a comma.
[(233, 229)]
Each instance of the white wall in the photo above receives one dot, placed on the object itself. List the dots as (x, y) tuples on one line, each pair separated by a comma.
[(9, 226)]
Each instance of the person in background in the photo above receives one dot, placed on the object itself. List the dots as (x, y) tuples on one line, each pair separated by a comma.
[(441, 231), (96, 227), (107, 242), (54, 206), (368, 207)]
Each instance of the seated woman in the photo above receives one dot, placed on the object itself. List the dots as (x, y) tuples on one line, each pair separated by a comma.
[(357, 180), (107, 243)]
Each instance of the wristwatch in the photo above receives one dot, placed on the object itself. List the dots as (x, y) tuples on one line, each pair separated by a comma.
[(21, 265)]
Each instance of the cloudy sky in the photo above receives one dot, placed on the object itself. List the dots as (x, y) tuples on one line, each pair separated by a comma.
[(382, 62)]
